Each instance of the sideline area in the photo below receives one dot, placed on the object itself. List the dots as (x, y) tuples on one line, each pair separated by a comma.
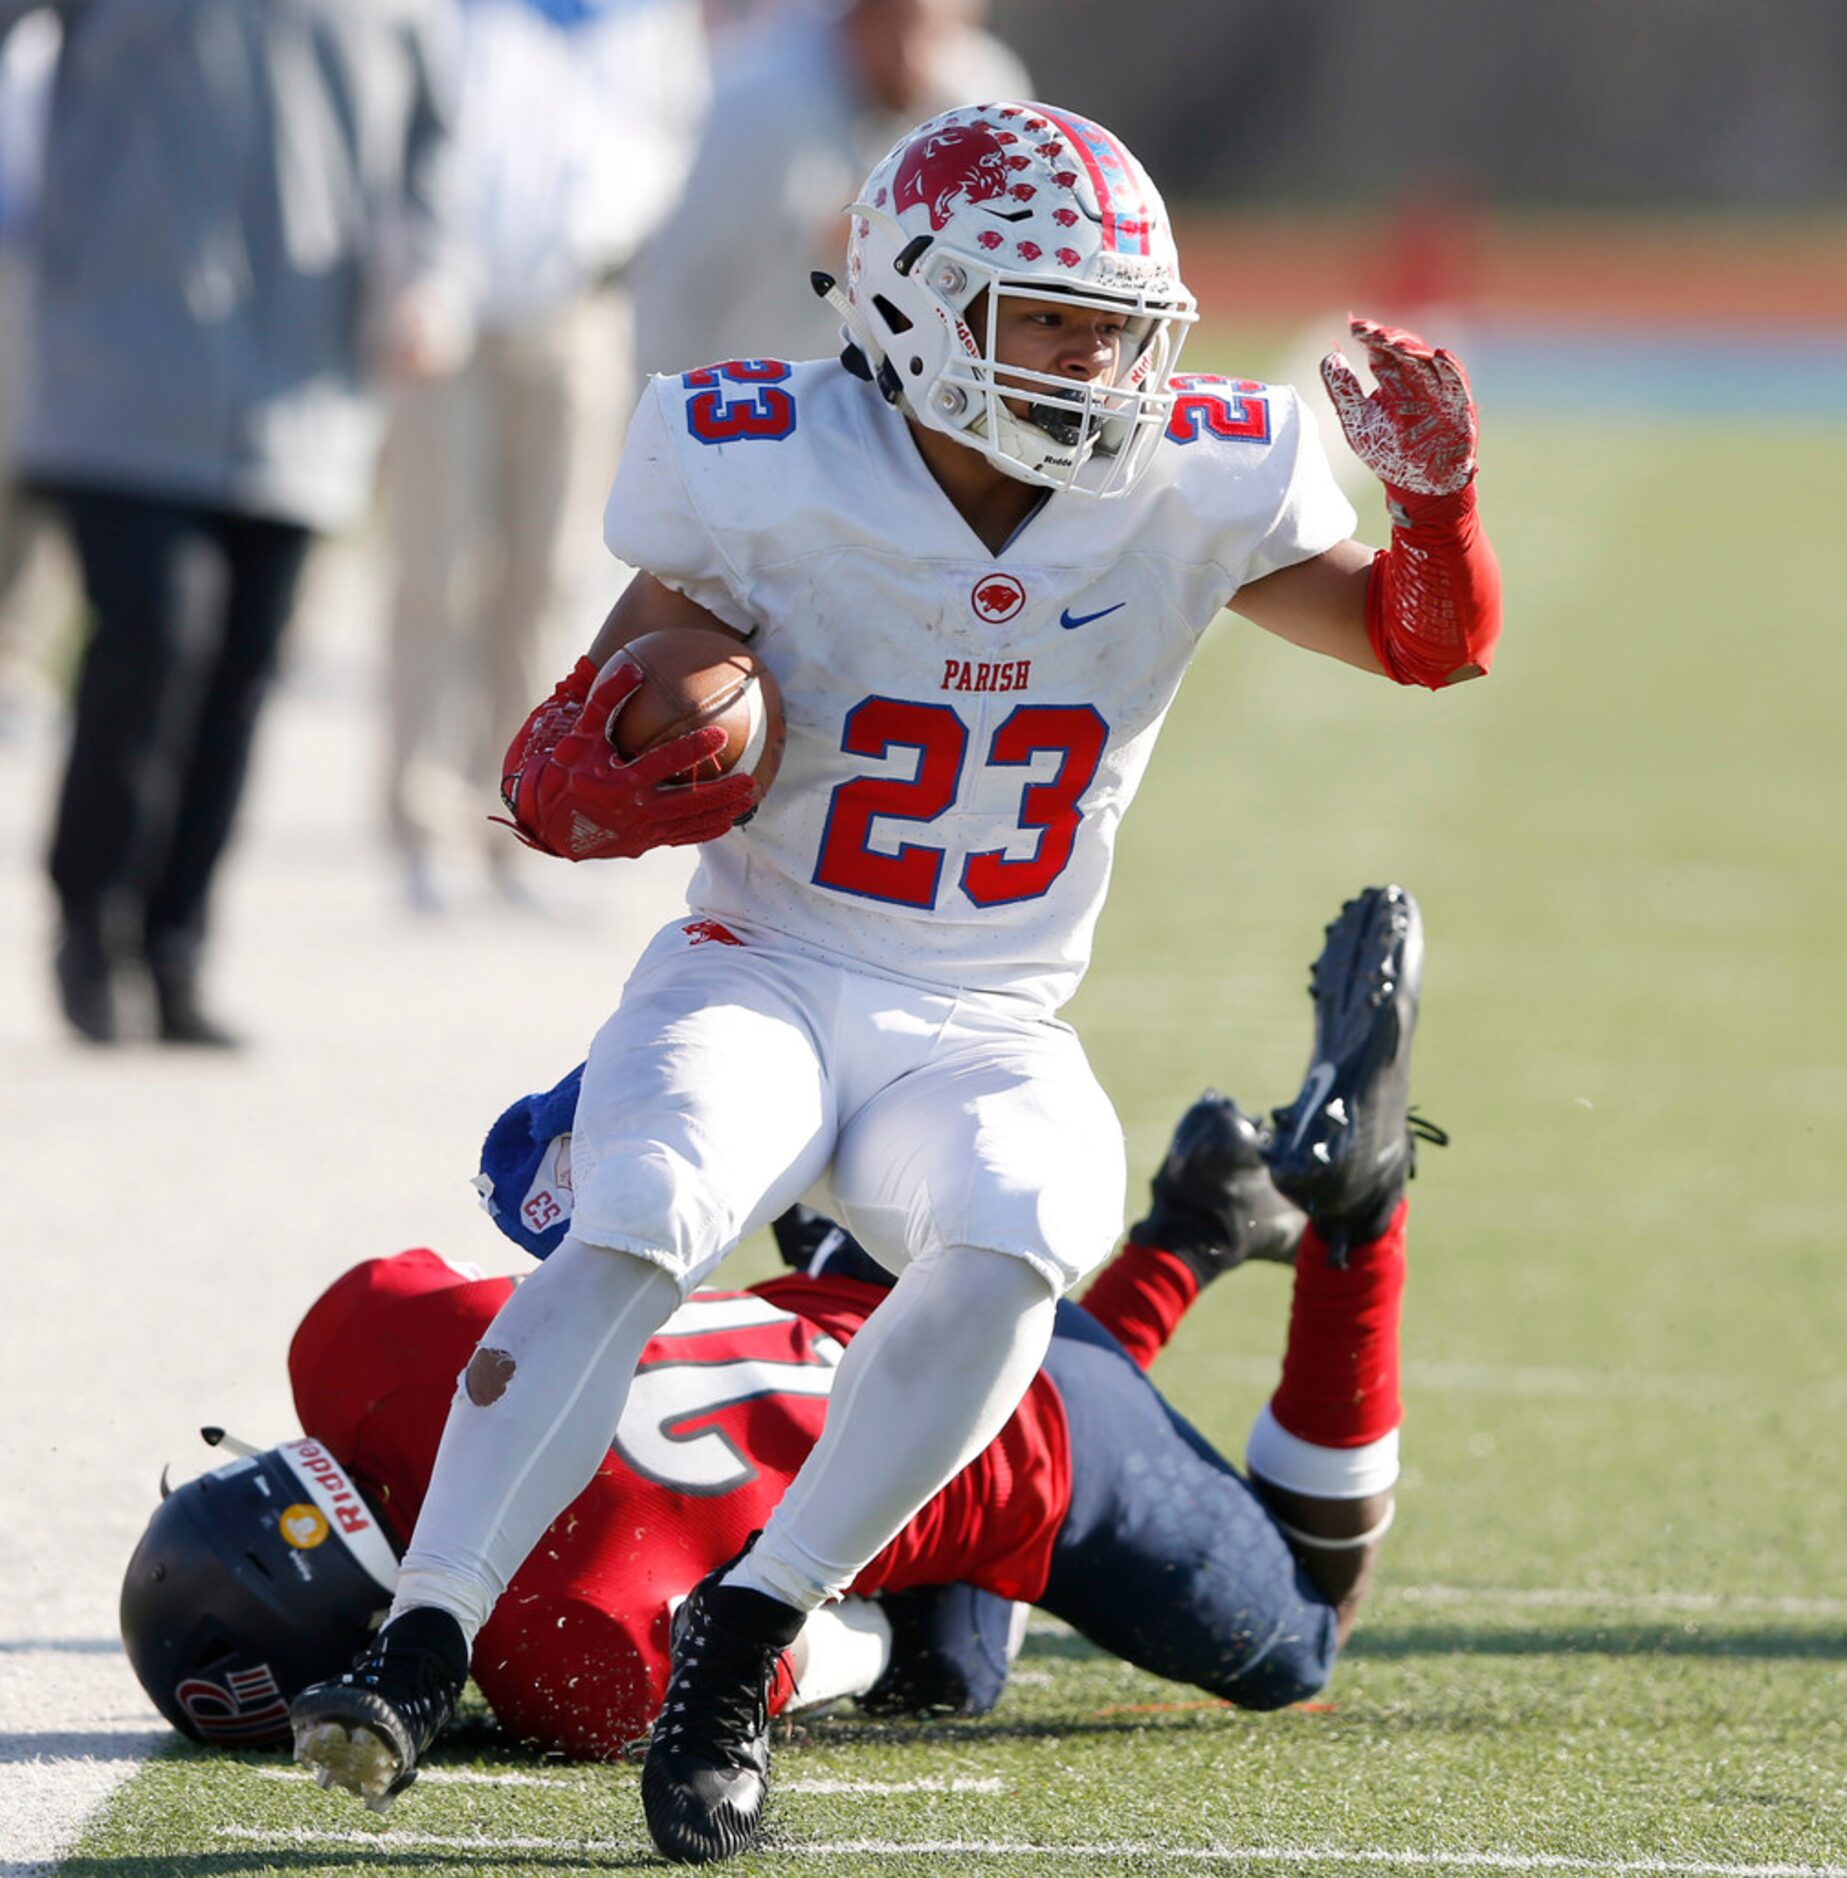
[(173, 1212)]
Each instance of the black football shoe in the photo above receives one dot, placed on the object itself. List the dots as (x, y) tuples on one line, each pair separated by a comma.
[(1215, 1204), (1344, 1148), (366, 1731), (707, 1774)]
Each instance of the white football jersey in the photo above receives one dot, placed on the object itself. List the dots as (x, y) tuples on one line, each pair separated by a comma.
[(966, 729)]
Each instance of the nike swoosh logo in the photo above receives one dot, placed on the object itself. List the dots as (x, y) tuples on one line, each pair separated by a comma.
[(1072, 621), (1314, 1095)]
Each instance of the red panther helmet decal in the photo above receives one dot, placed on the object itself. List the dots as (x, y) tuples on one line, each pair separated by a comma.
[(965, 160)]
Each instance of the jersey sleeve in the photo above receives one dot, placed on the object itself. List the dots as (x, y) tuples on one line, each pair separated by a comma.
[(573, 1668), (653, 522), (1240, 489), (1312, 514)]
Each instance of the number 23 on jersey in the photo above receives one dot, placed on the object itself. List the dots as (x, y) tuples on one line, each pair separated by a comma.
[(1074, 734), (739, 402)]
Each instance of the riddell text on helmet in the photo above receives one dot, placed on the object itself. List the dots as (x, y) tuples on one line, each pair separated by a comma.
[(338, 1498)]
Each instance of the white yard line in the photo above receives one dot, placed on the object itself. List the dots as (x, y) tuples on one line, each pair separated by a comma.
[(1623, 1385), (183, 1210), (439, 1777), (1320, 1855), (1096, 1849), (472, 1777), (926, 1783), (1317, 1855), (1666, 1603), (74, 1728)]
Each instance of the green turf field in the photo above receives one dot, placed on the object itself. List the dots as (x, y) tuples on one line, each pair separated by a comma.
[(1612, 1628)]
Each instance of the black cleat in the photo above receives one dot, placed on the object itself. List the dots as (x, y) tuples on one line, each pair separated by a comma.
[(1344, 1148), (707, 1774), (367, 1730), (1214, 1202)]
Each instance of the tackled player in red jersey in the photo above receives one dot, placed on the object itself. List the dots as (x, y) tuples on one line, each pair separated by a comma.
[(730, 1397)]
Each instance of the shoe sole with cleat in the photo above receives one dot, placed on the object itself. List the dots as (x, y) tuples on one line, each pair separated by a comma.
[(1344, 1148), (354, 1759)]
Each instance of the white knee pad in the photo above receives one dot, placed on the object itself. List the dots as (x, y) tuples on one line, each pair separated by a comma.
[(646, 1199)]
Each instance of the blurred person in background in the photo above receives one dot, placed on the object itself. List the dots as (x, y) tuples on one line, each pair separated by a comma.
[(36, 590), (804, 103), (574, 128), (723, 17), (1422, 264), (242, 200)]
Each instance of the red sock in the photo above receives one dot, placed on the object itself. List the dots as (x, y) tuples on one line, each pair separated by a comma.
[(1340, 1369), (1140, 1297)]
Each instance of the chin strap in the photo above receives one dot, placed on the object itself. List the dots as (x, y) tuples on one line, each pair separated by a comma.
[(860, 350), (217, 1438), (213, 1438), (856, 354)]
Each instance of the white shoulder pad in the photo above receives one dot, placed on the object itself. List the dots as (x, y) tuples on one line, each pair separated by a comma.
[(1246, 479), (651, 520), (736, 468)]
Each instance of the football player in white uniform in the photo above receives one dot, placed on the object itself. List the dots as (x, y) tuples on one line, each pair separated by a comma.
[(978, 561)]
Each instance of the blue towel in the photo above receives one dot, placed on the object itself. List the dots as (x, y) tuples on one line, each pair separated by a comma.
[(525, 1178), (525, 1184)]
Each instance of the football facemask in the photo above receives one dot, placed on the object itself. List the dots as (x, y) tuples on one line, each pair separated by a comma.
[(1017, 201), (250, 1583)]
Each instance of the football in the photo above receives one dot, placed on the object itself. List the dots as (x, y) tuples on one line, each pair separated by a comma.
[(692, 677)]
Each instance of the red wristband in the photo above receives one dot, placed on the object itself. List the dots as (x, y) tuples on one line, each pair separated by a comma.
[(1433, 608)]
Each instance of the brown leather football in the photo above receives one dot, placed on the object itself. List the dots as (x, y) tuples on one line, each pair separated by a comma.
[(693, 677)]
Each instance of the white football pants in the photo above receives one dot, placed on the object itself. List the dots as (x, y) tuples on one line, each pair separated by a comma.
[(733, 1077), (714, 1098)]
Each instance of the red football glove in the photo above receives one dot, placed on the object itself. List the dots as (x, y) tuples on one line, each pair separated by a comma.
[(1433, 606), (1416, 432), (571, 794)]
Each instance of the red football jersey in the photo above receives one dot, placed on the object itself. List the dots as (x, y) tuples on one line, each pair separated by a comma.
[(728, 1400)]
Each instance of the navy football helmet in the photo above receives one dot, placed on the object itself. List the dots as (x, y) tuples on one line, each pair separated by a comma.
[(250, 1583)]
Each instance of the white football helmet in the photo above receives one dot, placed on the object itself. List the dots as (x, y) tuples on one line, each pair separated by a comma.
[(1037, 203)]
